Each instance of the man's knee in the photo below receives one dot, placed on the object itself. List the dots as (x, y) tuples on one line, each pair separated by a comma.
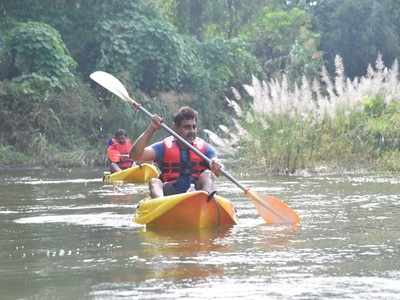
[(207, 174), (156, 187), (205, 179), (155, 182), (114, 167)]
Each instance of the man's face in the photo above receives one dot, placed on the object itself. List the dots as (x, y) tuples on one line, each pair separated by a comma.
[(188, 130), (121, 139)]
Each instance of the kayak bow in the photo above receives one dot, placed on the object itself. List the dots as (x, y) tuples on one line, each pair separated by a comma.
[(136, 174), (190, 210)]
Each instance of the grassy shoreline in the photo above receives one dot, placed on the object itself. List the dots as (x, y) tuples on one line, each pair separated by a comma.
[(242, 166), (341, 123)]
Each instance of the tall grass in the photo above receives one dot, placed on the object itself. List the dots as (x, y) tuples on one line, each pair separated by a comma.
[(329, 122), (10, 156), (46, 154)]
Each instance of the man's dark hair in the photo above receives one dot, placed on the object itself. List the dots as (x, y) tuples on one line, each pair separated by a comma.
[(185, 113), (119, 133)]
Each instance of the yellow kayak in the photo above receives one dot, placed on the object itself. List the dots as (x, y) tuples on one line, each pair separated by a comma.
[(136, 174), (190, 210)]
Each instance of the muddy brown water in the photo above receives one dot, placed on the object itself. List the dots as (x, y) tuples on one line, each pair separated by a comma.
[(65, 235)]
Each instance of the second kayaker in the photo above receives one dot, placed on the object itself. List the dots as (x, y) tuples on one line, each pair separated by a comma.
[(118, 151), (180, 167)]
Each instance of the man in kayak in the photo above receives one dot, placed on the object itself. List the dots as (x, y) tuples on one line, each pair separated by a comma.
[(118, 151), (181, 169)]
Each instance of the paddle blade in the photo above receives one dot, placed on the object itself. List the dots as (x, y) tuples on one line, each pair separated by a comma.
[(112, 84), (273, 210)]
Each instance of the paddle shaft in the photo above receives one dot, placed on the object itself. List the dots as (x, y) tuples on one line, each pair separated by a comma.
[(187, 144)]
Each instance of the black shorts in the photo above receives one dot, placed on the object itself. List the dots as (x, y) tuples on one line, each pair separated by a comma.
[(170, 188)]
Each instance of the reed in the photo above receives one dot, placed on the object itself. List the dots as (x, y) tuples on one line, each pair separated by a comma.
[(331, 121)]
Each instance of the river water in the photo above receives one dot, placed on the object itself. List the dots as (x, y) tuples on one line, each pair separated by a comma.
[(65, 235)]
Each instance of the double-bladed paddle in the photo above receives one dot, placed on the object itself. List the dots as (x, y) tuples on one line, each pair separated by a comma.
[(271, 209)]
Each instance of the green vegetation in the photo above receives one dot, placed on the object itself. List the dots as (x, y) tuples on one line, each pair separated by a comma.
[(200, 52), (285, 41), (347, 126), (37, 49)]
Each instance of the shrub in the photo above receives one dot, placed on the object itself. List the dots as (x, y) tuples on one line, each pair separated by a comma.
[(150, 49), (35, 47), (348, 124)]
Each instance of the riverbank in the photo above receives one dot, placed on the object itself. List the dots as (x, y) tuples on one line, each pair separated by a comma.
[(238, 167), (50, 157)]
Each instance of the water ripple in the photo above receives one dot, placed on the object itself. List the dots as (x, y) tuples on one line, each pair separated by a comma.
[(101, 219)]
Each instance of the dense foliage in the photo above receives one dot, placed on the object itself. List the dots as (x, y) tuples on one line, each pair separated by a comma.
[(342, 125), (284, 40), (169, 53), (37, 48), (358, 30)]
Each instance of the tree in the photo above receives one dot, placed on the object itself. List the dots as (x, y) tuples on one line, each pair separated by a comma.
[(207, 19), (35, 47), (357, 30), (284, 42)]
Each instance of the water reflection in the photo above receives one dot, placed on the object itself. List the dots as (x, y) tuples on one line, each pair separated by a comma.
[(183, 242), (183, 254)]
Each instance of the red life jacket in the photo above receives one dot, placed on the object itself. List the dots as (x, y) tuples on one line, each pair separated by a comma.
[(171, 164), (120, 153)]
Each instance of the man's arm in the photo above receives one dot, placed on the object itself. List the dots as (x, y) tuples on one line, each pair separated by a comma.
[(113, 154), (215, 164), (139, 150)]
